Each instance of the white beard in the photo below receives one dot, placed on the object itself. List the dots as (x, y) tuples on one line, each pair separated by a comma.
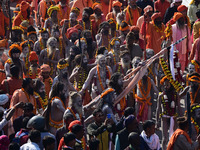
[(51, 50), (78, 109)]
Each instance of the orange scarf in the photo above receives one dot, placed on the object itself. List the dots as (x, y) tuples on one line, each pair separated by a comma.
[(175, 136), (132, 15)]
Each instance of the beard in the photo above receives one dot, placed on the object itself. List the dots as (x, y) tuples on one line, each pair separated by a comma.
[(89, 47), (15, 59), (181, 24), (144, 79), (30, 91), (106, 32), (42, 94), (51, 50), (85, 19), (78, 109), (34, 68)]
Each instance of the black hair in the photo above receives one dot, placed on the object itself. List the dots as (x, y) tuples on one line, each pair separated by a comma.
[(14, 70), (88, 10), (114, 82), (14, 146), (30, 28), (48, 140), (129, 111), (26, 82), (25, 122), (182, 122), (198, 13), (78, 59), (148, 124), (101, 50), (76, 128), (56, 89), (68, 137), (76, 49), (94, 144), (34, 135), (67, 116)]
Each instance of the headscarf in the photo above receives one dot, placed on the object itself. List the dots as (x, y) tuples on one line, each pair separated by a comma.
[(51, 9), (182, 8), (73, 123), (116, 3), (96, 5), (12, 47), (45, 68), (3, 99), (33, 56), (177, 15), (70, 31), (155, 15)]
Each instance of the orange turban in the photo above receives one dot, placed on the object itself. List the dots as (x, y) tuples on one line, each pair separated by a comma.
[(73, 123), (33, 56), (155, 15), (116, 3), (97, 5), (14, 46), (45, 68), (182, 8), (70, 31), (24, 6), (177, 15), (147, 9)]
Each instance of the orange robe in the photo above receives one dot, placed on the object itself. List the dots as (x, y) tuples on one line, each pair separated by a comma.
[(132, 15), (110, 15), (4, 57), (81, 5), (63, 13), (18, 20), (154, 37), (19, 96), (4, 21), (105, 7)]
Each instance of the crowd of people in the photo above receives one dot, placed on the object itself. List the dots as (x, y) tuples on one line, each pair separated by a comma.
[(99, 75)]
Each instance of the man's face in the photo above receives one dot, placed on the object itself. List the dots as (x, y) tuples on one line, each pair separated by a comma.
[(56, 34), (34, 63), (102, 61), (88, 35), (117, 46), (125, 32), (53, 44), (105, 53), (191, 68), (98, 11), (135, 64), (99, 117), (45, 74), (72, 17), (149, 54), (117, 9), (105, 29), (184, 12), (176, 4), (25, 50), (42, 88), (126, 58), (166, 85), (85, 16), (132, 3), (74, 37), (152, 130), (158, 22), (54, 14), (120, 81), (45, 36), (15, 55), (32, 37), (120, 18), (30, 88)]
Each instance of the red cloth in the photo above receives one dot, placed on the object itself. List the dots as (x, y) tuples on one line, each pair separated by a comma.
[(182, 8), (61, 144), (33, 56), (155, 15), (161, 7), (177, 15), (70, 31), (4, 22)]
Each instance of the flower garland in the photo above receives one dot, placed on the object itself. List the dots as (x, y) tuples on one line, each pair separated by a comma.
[(168, 31), (43, 102), (50, 82), (21, 17), (41, 44), (114, 56), (27, 62), (195, 125), (82, 76), (31, 73), (51, 64), (59, 66), (168, 110), (167, 72), (84, 27), (107, 92), (9, 61), (99, 77), (120, 69), (144, 92), (195, 96), (158, 29)]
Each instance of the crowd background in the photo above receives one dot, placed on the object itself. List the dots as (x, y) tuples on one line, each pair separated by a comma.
[(99, 74)]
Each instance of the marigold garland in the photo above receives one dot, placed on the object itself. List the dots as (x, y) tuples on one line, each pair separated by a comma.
[(60, 46), (74, 114), (195, 96), (84, 27), (31, 73), (43, 102), (99, 77), (167, 72), (41, 44), (107, 92), (50, 64), (158, 29), (195, 125)]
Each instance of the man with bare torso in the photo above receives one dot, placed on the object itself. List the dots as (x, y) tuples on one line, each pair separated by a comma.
[(100, 75)]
